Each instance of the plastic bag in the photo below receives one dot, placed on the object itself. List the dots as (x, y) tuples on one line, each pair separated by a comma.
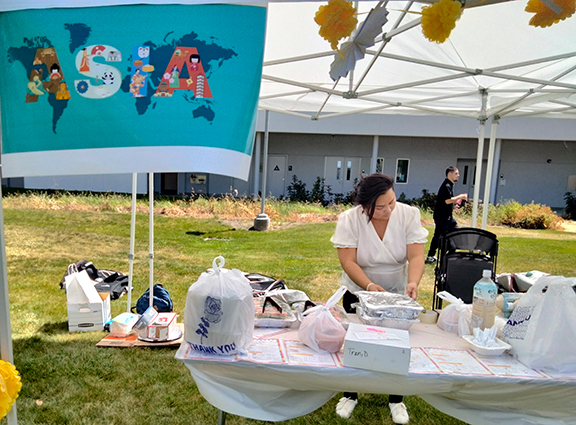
[(456, 317), (219, 311), (542, 327), (319, 329)]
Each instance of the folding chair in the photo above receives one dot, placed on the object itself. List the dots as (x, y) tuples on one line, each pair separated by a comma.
[(464, 253)]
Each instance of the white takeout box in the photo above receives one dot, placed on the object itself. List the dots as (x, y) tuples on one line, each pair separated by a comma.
[(88, 310), (161, 327), (377, 348)]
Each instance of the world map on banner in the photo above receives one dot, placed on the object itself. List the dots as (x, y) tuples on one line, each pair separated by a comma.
[(162, 75)]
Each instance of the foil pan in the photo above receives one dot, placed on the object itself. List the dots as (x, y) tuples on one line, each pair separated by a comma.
[(386, 322), (388, 305)]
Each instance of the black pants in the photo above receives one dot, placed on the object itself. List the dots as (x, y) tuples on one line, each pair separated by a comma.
[(442, 227), (347, 301)]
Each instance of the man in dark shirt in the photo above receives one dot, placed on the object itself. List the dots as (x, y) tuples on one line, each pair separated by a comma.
[(443, 210)]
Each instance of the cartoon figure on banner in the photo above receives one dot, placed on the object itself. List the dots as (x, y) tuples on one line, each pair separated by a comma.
[(35, 86), (136, 83), (114, 56), (85, 62), (108, 78), (55, 72), (175, 77), (194, 61), (63, 93)]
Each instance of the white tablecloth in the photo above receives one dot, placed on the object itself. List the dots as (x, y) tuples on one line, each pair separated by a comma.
[(277, 392)]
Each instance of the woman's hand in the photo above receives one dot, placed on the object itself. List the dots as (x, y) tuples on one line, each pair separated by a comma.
[(373, 287), (412, 290)]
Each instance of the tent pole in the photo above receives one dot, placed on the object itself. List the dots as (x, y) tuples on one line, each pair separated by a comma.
[(489, 168), (257, 154), (5, 326), (262, 221), (151, 233), (265, 162), (479, 155), (132, 237), (374, 161), (478, 174)]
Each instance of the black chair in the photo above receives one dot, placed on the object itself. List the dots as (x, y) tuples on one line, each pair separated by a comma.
[(464, 254)]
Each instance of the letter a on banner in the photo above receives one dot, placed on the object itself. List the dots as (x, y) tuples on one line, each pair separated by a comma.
[(185, 60), (46, 76)]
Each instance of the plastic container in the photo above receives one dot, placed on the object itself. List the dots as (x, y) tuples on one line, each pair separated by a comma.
[(484, 302), (487, 351)]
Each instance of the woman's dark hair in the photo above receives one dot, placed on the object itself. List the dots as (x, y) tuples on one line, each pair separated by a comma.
[(369, 189)]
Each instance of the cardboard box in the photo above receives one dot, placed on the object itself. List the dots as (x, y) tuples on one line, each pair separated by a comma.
[(88, 310), (376, 348), (161, 327)]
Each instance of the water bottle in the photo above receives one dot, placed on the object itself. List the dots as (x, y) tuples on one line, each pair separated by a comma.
[(484, 302)]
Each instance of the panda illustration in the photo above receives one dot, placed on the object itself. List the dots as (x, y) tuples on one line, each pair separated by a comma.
[(108, 78)]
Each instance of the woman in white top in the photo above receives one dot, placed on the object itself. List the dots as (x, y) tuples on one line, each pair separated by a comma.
[(380, 246)]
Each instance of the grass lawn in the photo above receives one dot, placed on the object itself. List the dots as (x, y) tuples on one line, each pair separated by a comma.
[(68, 380)]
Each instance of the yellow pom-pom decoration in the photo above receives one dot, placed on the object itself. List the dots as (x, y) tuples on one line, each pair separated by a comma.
[(439, 19), (545, 16), (336, 20), (9, 387)]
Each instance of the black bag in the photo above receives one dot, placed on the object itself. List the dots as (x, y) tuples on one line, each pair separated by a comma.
[(161, 301), (261, 283), (111, 281)]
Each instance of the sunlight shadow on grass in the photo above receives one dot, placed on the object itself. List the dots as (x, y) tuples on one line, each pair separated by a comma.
[(54, 328)]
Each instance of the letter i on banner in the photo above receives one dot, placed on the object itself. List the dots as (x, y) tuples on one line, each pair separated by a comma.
[(46, 76), (140, 69), (184, 60)]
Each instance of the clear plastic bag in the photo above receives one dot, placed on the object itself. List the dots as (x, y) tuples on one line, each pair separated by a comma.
[(319, 329), (219, 312), (455, 318)]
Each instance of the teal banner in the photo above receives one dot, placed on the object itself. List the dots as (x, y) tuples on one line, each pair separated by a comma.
[(122, 89)]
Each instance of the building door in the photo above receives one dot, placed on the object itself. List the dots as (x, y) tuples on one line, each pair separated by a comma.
[(276, 181), (169, 184), (467, 180), (340, 173)]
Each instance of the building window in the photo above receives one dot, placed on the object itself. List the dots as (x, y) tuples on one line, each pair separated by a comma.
[(379, 165), (402, 166), (571, 186), (338, 170), (348, 170), (465, 175)]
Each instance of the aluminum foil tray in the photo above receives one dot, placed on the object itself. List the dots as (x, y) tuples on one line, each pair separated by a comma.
[(388, 305)]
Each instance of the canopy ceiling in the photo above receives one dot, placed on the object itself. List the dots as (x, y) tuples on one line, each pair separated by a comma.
[(524, 71)]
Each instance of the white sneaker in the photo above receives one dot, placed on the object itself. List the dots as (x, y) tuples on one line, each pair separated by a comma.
[(345, 407), (399, 413)]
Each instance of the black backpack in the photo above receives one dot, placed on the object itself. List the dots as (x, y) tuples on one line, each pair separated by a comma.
[(161, 300)]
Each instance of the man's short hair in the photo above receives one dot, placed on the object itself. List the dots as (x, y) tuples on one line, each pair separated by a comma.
[(450, 169)]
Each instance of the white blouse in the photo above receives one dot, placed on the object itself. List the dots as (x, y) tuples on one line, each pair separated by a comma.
[(384, 260)]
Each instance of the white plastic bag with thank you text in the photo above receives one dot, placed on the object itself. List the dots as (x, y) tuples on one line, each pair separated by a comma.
[(542, 327), (219, 312)]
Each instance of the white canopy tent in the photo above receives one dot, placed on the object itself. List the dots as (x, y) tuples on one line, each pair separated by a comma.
[(493, 66)]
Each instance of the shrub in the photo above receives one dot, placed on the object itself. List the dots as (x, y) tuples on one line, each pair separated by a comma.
[(530, 216), (570, 210), (426, 202), (321, 193), (297, 190)]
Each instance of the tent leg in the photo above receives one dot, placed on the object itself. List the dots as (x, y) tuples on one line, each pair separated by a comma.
[(262, 221), (5, 326), (374, 159), (151, 234), (489, 168), (221, 417), (478, 175), (132, 237)]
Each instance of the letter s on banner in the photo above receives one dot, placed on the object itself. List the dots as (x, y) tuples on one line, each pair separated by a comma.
[(89, 63)]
